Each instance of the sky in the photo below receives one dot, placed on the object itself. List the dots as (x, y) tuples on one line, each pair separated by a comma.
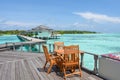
[(88, 15)]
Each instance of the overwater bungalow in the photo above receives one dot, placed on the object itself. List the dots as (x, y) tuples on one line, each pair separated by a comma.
[(44, 32)]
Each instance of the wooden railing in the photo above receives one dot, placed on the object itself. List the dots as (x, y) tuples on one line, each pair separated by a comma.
[(16, 45), (95, 58)]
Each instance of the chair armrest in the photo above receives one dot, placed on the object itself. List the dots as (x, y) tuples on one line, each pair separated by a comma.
[(61, 57)]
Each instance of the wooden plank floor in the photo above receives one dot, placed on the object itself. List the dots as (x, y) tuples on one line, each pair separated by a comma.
[(28, 66)]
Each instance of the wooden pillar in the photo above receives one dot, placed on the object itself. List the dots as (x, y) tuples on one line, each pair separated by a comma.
[(6, 44), (53, 47), (21, 47), (13, 46), (39, 47), (49, 47), (82, 55), (95, 64), (30, 47)]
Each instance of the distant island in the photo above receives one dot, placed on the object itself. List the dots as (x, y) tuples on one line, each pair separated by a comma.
[(74, 32), (9, 32)]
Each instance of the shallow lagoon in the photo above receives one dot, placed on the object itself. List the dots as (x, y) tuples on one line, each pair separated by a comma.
[(94, 43), (8, 38)]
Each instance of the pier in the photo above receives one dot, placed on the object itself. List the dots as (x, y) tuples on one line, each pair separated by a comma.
[(27, 41), (29, 38)]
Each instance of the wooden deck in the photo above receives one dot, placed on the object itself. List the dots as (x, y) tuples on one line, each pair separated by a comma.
[(28, 66), (29, 41), (29, 38)]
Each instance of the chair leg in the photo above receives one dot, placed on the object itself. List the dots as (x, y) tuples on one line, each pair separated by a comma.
[(49, 69), (64, 73), (45, 65), (80, 71)]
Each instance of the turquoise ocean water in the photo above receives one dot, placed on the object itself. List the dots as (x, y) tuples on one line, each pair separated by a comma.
[(8, 38), (93, 43)]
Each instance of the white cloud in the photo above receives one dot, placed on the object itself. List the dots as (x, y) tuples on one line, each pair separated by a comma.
[(83, 25), (98, 17), (13, 23), (80, 25), (16, 23), (5, 24)]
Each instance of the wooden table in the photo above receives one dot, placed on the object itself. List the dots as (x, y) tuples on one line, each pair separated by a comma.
[(61, 51)]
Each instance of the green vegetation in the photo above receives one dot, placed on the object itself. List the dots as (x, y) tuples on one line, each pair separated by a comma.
[(30, 34), (11, 32), (74, 32)]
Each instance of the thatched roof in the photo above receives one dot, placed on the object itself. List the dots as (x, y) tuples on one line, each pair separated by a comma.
[(41, 27)]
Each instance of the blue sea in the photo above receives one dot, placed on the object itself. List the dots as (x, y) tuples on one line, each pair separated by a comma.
[(8, 38), (93, 43)]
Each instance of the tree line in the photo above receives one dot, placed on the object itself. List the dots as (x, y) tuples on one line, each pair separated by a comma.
[(57, 31), (74, 32), (11, 32)]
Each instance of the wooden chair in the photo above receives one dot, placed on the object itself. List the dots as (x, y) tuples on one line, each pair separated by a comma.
[(49, 58), (70, 60), (58, 45)]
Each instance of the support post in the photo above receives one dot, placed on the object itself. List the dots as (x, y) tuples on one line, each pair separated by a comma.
[(39, 47), (13, 46), (6, 44), (95, 64), (49, 47), (53, 47), (82, 55), (21, 47), (30, 45)]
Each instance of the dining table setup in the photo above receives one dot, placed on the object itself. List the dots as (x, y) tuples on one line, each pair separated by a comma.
[(66, 58)]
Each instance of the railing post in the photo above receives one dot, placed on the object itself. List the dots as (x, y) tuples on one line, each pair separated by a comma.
[(53, 47), (13, 46), (95, 64), (30, 48), (6, 44), (39, 47), (82, 55), (49, 47), (21, 47)]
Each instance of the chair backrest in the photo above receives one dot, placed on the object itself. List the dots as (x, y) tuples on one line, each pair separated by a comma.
[(45, 49), (58, 45), (71, 53)]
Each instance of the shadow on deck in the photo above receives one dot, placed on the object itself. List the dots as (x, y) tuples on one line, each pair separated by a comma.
[(28, 66)]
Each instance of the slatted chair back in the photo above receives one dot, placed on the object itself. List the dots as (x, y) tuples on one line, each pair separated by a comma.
[(58, 45), (45, 49), (71, 60), (71, 53)]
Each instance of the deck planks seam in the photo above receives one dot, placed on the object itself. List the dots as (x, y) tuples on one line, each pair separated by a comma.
[(29, 69), (12, 73), (41, 72)]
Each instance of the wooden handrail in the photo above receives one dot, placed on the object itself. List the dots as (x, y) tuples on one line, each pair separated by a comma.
[(95, 70), (14, 46)]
